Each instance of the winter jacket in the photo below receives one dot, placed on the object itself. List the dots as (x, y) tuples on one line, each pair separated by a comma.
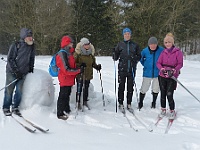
[(128, 54), (21, 57), (170, 60), (149, 59), (85, 56), (68, 71)]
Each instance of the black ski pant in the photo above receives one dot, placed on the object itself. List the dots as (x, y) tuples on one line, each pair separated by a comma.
[(63, 100), (167, 87), (83, 85), (122, 77)]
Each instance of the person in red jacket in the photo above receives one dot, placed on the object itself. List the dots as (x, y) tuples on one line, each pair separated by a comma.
[(66, 76)]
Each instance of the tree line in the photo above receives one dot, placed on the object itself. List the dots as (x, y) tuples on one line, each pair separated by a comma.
[(101, 21)]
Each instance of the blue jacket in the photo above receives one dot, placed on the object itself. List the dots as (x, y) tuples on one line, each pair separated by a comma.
[(149, 59)]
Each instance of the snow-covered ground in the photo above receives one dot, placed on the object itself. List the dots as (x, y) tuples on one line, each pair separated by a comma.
[(97, 129)]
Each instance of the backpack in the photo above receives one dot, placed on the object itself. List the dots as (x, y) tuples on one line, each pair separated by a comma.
[(53, 68)]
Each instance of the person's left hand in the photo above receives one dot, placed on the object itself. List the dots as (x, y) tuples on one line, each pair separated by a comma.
[(98, 67), (30, 70)]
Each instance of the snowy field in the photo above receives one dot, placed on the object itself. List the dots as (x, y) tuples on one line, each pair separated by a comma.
[(99, 129)]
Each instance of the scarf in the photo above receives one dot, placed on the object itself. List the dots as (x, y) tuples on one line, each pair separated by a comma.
[(170, 49), (86, 52)]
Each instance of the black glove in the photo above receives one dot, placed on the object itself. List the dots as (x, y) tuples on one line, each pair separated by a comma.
[(113, 50), (82, 70), (18, 75), (168, 73), (98, 67), (83, 65), (30, 70)]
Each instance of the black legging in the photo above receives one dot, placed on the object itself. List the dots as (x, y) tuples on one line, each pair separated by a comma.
[(130, 83), (167, 87)]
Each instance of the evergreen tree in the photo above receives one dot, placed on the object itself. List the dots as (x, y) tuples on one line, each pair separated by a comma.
[(92, 22)]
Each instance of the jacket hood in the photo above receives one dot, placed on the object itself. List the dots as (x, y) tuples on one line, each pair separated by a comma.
[(25, 33)]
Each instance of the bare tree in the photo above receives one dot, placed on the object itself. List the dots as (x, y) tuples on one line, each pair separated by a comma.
[(48, 19)]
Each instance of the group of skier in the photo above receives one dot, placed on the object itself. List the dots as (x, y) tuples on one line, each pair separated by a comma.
[(159, 65)]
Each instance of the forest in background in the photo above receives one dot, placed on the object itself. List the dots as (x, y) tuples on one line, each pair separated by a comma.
[(101, 21)]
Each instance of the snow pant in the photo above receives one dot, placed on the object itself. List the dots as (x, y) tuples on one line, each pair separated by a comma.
[(84, 86), (122, 77), (63, 100), (167, 87), (8, 93), (147, 82)]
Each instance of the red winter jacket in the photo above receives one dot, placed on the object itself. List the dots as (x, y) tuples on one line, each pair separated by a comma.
[(68, 71)]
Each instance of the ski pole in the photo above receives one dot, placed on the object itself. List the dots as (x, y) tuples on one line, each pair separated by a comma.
[(102, 91), (115, 86), (185, 88), (8, 84), (78, 93), (83, 87), (136, 93)]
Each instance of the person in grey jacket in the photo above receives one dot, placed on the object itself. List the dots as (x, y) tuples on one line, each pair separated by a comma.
[(20, 62)]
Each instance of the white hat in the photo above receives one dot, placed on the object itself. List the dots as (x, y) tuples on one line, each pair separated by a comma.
[(84, 41)]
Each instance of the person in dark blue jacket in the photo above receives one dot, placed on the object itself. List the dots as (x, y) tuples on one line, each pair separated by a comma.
[(128, 54), (149, 57), (20, 62)]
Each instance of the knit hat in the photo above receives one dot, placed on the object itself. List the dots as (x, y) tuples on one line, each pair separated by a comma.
[(66, 40), (84, 41), (126, 30), (152, 40), (24, 32)]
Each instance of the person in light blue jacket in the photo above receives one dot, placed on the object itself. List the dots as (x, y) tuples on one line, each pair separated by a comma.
[(149, 57)]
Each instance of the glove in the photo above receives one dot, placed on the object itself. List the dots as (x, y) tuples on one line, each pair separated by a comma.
[(162, 70), (114, 54), (174, 71), (30, 70), (83, 65), (168, 73), (171, 72), (98, 67), (113, 50), (82, 69), (18, 75)]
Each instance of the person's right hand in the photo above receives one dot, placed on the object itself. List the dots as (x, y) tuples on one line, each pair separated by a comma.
[(18, 75), (83, 65)]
